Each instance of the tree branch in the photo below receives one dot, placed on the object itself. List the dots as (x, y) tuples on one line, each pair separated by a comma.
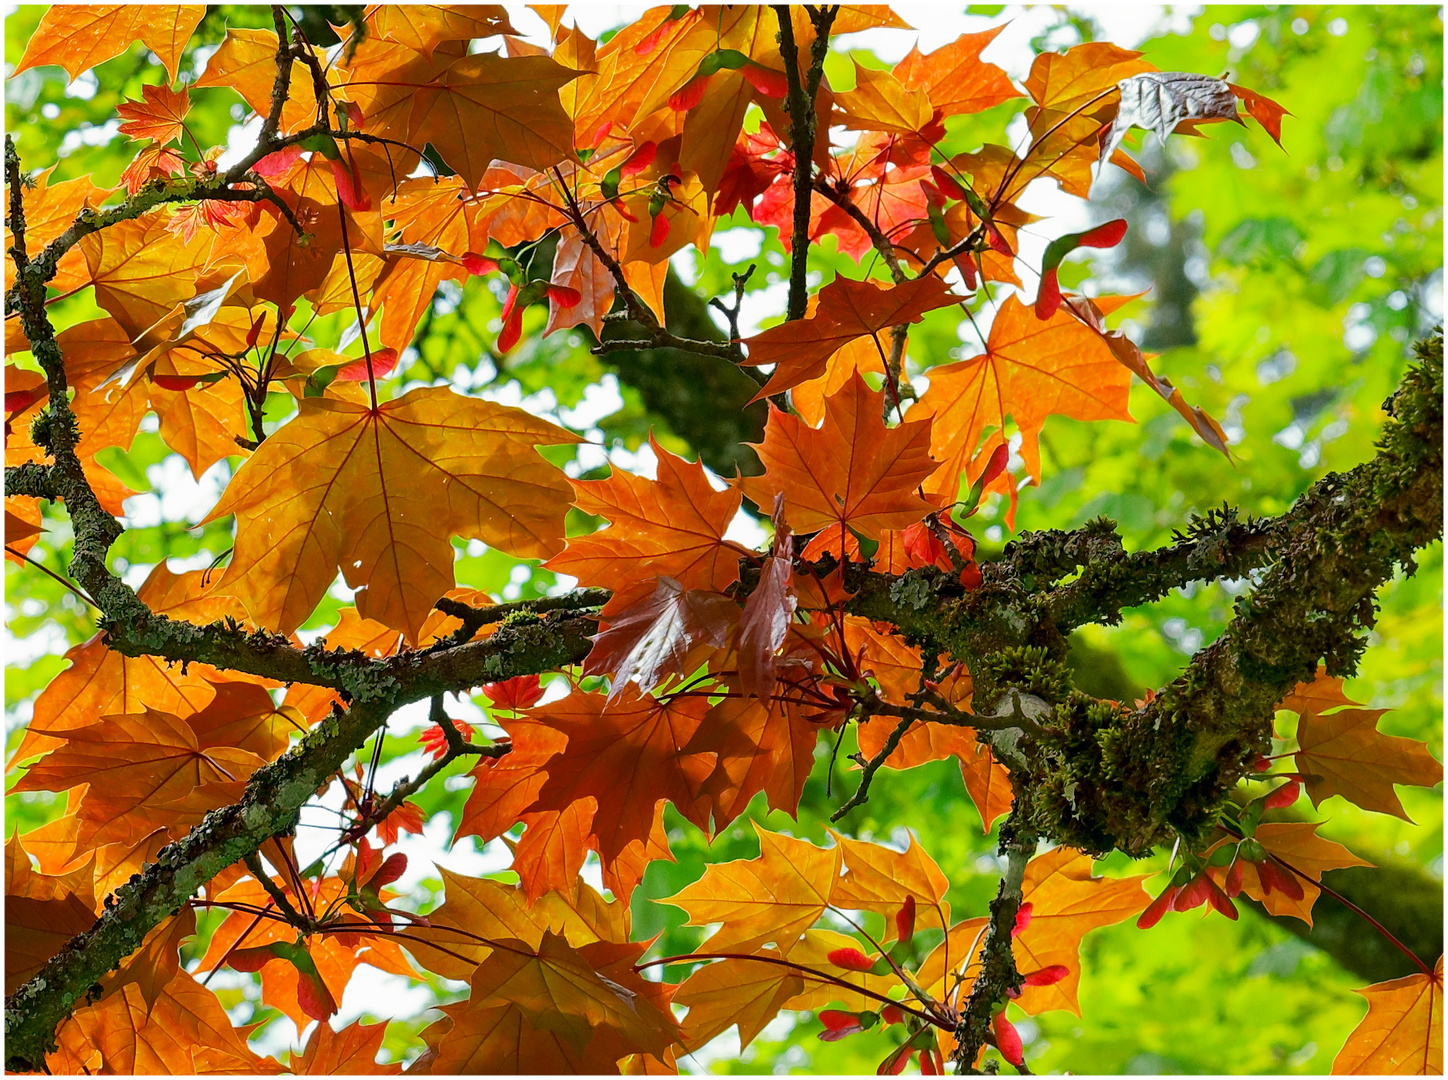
[(997, 974), (801, 101)]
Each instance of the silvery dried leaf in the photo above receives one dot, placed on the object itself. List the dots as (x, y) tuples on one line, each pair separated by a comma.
[(1160, 100)]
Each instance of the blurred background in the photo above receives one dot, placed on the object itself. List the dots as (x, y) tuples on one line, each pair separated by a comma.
[(1282, 290)]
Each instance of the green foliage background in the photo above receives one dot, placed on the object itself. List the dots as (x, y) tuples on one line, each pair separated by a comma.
[(1285, 290)]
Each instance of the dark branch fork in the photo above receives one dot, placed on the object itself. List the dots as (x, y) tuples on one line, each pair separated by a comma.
[(1325, 558)]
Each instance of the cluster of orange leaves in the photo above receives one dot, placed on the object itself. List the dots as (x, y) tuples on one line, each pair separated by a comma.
[(626, 151)]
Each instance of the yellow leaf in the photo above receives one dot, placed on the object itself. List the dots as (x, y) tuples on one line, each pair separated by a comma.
[(346, 485), (1402, 1034)]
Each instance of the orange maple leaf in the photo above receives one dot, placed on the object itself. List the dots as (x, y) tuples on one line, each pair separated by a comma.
[(1066, 904), (577, 993), (246, 63), (762, 746), (1030, 370), (1344, 753), (478, 911), (880, 102), (80, 36), (621, 762), (185, 1030), (472, 108), (141, 271), (1296, 844), (342, 484), (335, 956), (730, 992), (880, 879), (143, 767), (425, 26), (669, 527), (1061, 82), (955, 77), (160, 115), (852, 472), (349, 1052), (100, 682), (847, 310), (1402, 1034), (774, 898), (42, 912)]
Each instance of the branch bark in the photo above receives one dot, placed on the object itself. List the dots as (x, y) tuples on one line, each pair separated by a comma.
[(801, 102)]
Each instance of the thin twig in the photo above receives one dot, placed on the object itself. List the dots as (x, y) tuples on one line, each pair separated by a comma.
[(279, 898)]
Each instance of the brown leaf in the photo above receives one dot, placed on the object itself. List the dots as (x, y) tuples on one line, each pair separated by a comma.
[(847, 310)]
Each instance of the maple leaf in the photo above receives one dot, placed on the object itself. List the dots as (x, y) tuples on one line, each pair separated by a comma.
[(470, 1041), (774, 898), (880, 879), (622, 760), (152, 967), (1062, 82), (142, 767), (955, 77), (480, 910), (199, 409), (852, 472), (49, 210), (1343, 753), (670, 527), (184, 1031), (159, 116), (351, 1051), (734, 991), (440, 215), (246, 63), (1030, 370), (100, 682), (577, 993), (271, 947), (1402, 1034), (880, 102), (346, 485), (847, 310), (80, 36), (655, 638), (472, 108), (1298, 846), (425, 26), (1066, 904), (42, 912), (141, 271), (1262, 109), (242, 716), (761, 746)]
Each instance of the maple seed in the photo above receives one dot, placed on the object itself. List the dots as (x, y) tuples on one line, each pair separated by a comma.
[(1023, 918), (1286, 795), (1008, 1040), (1047, 976), (905, 921), (850, 959), (839, 1024), (1157, 908)]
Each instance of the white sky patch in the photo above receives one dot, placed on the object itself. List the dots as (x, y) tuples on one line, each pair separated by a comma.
[(175, 494)]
